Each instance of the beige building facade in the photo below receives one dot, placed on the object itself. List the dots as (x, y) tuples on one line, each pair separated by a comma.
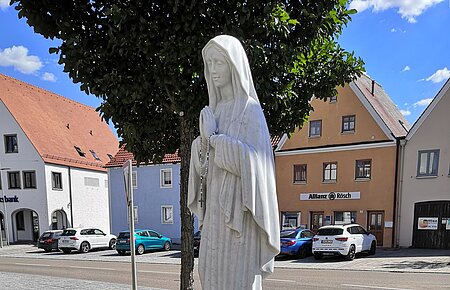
[(424, 200), (341, 166)]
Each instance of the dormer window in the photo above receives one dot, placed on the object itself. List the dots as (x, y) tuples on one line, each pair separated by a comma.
[(81, 153), (333, 99), (110, 156), (95, 155)]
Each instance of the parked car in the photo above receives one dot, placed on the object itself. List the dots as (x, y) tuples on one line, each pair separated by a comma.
[(49, 240), (143, 240), (197, 238), (343, 240), (85, 239), (296, 242)]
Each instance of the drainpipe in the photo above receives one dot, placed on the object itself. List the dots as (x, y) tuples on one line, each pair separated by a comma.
[(397, 157), (400, 191), (70, 197)]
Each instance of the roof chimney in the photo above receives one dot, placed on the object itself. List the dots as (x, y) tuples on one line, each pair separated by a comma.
[(373, 87)]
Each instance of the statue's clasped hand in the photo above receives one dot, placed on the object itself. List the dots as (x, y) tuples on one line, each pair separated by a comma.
[(208, 126)]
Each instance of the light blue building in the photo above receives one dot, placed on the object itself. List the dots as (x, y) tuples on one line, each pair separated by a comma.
[(156, 196)]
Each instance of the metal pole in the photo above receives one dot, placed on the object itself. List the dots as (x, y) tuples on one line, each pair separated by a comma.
[(132, 243)]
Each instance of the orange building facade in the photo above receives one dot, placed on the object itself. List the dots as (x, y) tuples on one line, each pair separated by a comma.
[(341, 166)]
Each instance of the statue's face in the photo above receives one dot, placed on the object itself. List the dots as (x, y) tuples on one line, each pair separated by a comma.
[(218, 66)]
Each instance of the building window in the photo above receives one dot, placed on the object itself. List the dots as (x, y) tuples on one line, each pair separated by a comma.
[(56, 181), (167, 214), (134, 179), (363, 169), (290, 220), (29, 179), (333, 99), (300, 173), (91, 181), (110, 156), (166, 177), (344, 217), (14, 180), (11, 144), (94, 155), (20, 224), (329, 172), (348, 124), (428, 163), (315, 128), (79, 151)]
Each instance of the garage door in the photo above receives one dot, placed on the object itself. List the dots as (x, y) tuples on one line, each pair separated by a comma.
[(432, 225)]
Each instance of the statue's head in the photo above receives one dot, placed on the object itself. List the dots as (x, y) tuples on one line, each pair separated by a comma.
[(218, 66)]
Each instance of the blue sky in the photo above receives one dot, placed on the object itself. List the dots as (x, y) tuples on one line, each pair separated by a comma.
[(405, 45)]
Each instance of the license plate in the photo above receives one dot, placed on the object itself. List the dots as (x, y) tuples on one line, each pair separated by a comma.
[(65, 241), (327, 241), (122, 242)]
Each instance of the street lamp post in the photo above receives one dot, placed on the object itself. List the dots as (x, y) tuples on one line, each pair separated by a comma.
[(5, 214)]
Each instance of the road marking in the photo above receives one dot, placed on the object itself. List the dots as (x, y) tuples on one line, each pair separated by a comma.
[(158, 272), (37, 265), (280, 280), (92, 268), (374, 287)]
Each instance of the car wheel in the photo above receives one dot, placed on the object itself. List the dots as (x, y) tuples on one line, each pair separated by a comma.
[(318, 256), (47, 250), (140, 249), (351, 253), (167, 246), (84, 248), (67, 251), (301, 253), (121, 252), (373, 248), (112, 244)]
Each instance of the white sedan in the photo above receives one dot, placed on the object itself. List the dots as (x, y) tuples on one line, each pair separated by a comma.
[(85, 239)]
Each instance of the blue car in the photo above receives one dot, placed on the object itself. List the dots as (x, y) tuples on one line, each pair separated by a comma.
[(296, 242), (144, 240)]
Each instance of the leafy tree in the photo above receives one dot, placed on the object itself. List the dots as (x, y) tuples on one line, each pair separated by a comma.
[(143, 58)]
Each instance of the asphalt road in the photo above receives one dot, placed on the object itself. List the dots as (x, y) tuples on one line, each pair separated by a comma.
[(166, 276)]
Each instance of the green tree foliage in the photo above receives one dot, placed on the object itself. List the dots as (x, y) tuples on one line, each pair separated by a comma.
[(143, 58)]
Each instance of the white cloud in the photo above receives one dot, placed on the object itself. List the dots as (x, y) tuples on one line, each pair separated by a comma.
[(423, 102), (17, 57), (393, 30), (406, 68), (408, 9), (439, 76), (4, 4), (49, 77), (405, 112)]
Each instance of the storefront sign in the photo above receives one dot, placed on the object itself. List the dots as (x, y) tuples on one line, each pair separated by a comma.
[(9, 199), (330, 195), (428, 223)]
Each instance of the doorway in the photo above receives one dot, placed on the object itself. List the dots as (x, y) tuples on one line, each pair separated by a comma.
[(376, 225), (316, 220), (432, 225), (59, 220), (25, 225)]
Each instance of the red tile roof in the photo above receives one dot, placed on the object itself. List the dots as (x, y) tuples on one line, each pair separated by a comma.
[(384, 106), (55, 124), (123, 155)]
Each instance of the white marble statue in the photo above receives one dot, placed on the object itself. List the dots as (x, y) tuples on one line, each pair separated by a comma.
[(232, 178)]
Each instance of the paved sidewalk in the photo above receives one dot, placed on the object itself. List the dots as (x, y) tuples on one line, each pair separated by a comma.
[(385, 260)]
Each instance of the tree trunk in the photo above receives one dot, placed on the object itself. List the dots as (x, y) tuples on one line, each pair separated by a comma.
[(187, 135)]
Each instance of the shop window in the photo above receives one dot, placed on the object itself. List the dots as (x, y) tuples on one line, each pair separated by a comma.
[(330, 172), (315, 128), (290, 220), (428, 163), (167, 214), (20, 224), (11, 144), (300, 173), (363, 169), (344, 217), (29, 179), (14, 180), (166, 177), (56, 181)]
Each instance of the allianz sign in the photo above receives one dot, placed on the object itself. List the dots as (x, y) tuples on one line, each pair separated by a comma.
[(330, 195)]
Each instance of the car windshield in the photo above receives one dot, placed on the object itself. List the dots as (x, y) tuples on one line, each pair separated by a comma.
[(69, 233), (124, 235), (46, 235), (288, 234), (330, 232)]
